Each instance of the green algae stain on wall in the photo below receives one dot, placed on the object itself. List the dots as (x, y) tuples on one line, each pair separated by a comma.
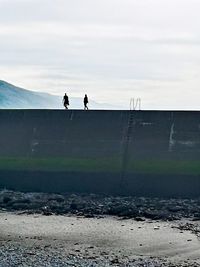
[(112, 165), (60, 164), (187, 167)]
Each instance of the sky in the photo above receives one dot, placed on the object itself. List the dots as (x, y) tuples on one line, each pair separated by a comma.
[(112, 50)]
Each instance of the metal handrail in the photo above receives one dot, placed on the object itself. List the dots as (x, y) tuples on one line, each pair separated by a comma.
[(135, 103)]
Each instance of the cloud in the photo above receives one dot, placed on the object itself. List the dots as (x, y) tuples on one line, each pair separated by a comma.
[(113, 49)]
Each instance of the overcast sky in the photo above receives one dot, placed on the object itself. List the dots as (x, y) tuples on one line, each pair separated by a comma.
[(111, 49)]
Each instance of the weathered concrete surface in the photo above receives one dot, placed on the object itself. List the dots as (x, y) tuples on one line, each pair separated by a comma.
[(152, 153)]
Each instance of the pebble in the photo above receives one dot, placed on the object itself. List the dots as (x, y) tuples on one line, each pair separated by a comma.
[(54, 258)]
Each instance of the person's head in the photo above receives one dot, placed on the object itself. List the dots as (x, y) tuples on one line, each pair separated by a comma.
[(85, 95)]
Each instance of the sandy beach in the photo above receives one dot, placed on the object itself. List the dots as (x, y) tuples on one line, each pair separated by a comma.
[(38, 240)]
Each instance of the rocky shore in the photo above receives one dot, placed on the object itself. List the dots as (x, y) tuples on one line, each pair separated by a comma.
[(90, 205), (39, 229)]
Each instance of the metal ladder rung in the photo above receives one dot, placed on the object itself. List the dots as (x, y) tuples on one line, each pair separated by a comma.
[(127, 138)]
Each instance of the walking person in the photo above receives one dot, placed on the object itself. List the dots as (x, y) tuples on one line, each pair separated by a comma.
[(85, 101), (66, 101)]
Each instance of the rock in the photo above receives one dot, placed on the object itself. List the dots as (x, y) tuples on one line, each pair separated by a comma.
[(47, 213), (89, 215), (6, 199), (175, 208), (57, 198), (20, 206), (139, 219), (73, 206), (115, 261)]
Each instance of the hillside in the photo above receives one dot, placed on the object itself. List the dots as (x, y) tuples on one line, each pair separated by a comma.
[(13, 97)]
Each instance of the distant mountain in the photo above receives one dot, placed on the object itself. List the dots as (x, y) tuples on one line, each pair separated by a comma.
[(12, 97), (15, 97)]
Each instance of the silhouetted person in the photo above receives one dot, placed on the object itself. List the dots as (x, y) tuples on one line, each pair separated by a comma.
[(65, 101), (85, 101)]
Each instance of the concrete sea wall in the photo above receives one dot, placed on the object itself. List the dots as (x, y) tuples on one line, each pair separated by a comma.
[(143, 153)]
